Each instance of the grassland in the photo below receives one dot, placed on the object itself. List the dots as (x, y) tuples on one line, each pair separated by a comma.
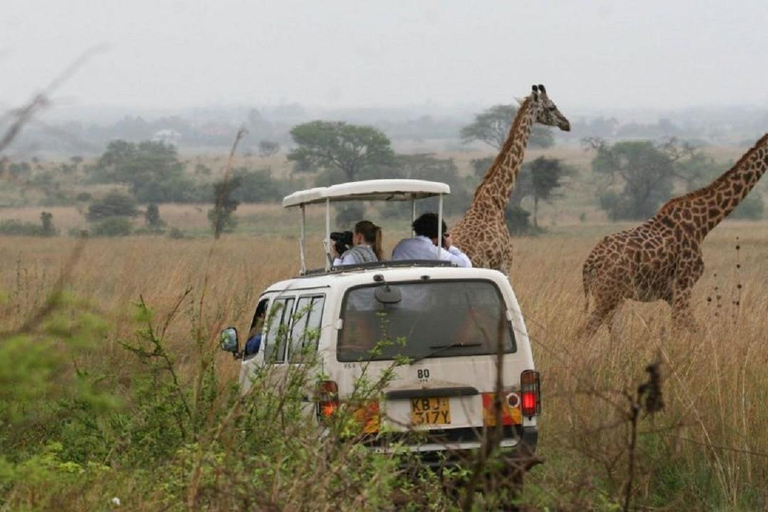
[(706, 450), (130, 430)]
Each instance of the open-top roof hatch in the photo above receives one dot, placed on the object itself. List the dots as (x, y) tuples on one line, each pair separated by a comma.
[(370, 190)]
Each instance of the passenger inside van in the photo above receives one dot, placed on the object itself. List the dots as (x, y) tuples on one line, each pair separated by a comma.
[(366, 247), (422, 246), (253, 344)]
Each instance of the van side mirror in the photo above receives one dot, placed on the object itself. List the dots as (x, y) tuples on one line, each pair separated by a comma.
[(228, 341)]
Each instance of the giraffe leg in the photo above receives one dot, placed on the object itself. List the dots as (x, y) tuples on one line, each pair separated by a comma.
[(682, 314), (604, 310)]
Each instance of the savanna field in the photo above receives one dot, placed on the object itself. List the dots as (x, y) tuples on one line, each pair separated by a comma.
[(116, 391)]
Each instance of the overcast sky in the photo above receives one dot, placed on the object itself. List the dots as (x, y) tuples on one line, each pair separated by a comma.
[(590, 54)]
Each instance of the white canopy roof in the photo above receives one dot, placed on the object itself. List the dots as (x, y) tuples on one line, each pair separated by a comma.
[(370, 190)]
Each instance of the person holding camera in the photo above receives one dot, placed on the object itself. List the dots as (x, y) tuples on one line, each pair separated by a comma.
[(422, 246), (365, 247)]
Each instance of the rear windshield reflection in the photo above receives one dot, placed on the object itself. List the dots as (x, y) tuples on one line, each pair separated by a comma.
[(435, 319)]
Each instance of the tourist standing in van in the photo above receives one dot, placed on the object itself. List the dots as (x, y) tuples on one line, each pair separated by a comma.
[(366, 245), (422, 246)]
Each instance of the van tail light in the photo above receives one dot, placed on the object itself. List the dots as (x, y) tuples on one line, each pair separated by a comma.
[(327, 398), (530, 391)]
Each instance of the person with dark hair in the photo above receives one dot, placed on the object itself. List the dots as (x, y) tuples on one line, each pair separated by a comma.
[(366, 246), (253, 344), (422, 246)]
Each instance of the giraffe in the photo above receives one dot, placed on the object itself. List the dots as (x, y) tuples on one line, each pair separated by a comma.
[(482, 233), (662, 259)]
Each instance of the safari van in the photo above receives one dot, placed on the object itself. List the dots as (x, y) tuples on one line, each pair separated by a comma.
[(439, 329)]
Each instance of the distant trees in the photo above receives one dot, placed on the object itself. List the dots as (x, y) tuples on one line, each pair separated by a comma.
[(546, 177), (14, 227), (427, 166), (642, 175), (538, 179), (492, 127), (110, 215), (646, 172), (151, 169), (268, 148), (257, 186), (348, 148), (114, 204)]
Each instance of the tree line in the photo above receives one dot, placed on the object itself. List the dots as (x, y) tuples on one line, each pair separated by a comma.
[(631, 179)]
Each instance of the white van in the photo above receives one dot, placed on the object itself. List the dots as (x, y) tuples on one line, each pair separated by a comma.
[(438, 329)]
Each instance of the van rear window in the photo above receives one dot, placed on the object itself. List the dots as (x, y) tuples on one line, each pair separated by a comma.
[(424, 319)]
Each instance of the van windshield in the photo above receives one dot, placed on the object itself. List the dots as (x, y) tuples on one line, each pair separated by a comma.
[(430, 319)]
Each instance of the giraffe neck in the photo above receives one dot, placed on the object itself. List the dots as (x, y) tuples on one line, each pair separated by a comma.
[(499, 180), (708, 206)]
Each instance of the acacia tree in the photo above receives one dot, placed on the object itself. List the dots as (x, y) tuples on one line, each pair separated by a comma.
[(492, 127), (348, 148), (152, 170), (646, 170), (546, 177)]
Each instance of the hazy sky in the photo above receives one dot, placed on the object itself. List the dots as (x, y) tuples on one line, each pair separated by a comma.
[(594, 54)]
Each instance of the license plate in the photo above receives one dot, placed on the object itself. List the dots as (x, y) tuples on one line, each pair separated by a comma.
[(430, 411)]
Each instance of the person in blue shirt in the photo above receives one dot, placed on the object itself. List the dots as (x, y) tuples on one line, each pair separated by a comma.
[(253, 344), (424, 245)]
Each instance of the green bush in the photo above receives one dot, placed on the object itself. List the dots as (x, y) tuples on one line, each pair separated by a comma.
[(517, 220), (176, 234), (114, 204), (14, 227), (112, 227)]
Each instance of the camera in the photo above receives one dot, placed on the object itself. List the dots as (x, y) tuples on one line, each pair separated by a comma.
[(342, 240)]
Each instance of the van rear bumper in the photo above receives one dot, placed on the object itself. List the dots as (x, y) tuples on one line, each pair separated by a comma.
[(453, 446)]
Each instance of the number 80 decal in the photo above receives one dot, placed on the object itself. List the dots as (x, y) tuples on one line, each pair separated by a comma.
[(423, 374)]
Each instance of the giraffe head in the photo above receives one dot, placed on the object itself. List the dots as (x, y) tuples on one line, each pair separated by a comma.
[(547, 112)]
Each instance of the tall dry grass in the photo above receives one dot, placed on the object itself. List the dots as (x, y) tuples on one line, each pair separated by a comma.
[(707, 446)]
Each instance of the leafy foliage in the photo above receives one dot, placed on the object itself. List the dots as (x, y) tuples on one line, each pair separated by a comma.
[(112, 226), (257, 186), (352, 149), (546, 178), (114, 204), (646, 171), (517, 220), (151, 169), (13, 227), (492, 127)]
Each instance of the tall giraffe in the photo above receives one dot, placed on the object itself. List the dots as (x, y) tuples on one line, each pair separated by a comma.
[(482, 234), (661, 259)]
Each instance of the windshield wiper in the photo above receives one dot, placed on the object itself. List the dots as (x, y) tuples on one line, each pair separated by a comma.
[(442, 348)]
